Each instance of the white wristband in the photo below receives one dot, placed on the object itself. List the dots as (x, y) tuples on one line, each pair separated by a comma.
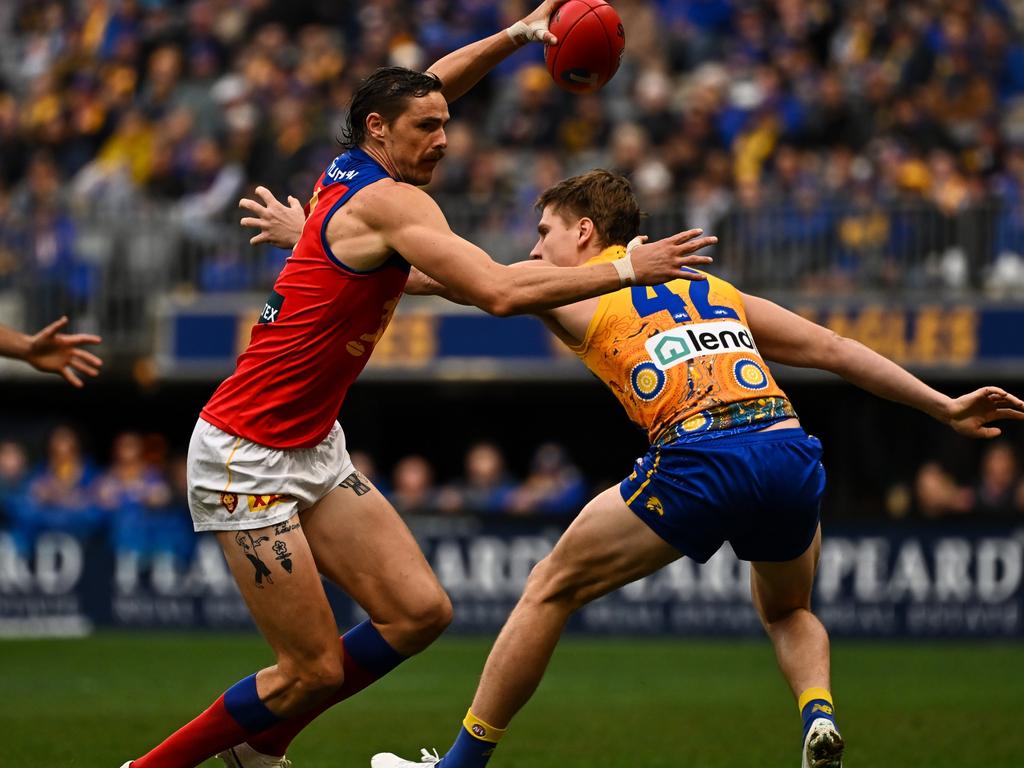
[(522, 33), (624, 267)]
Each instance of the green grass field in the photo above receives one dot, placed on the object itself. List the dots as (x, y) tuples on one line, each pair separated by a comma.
[(604, 703)]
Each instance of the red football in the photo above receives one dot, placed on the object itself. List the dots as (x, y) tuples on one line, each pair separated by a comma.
[(589, 48)]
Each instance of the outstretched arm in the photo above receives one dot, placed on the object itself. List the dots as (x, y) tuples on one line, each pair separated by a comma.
[(446, 265), (462, 69), (53, 352), (422, 284), (787, 338), (411, 223)]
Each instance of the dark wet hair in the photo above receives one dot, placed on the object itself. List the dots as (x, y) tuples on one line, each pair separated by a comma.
[(386, 92)]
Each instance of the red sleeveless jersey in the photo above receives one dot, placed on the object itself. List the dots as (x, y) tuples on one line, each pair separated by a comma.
[(317, 330)]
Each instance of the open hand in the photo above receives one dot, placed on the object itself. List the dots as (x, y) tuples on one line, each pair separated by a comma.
[(60, 353), (279, 225), (969, 414), (671, 258)]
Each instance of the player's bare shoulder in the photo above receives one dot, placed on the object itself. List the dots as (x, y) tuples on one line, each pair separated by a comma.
[(409, 222), (357, 230), (391, 205)]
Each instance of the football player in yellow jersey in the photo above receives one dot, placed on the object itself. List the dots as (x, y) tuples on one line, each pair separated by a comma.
[(728, 458)]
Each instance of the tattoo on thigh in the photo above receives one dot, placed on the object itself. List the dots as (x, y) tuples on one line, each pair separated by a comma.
[(282, 555), (249, 545), (357, 483), (282, 528)]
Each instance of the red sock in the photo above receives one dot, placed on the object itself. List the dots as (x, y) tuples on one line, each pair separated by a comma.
[(237, 715), (212, 732), (275, 740)]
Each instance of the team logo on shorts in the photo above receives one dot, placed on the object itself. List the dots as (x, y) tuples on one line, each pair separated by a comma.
[(259, 503), (654, 506), (647, 381), (750, 375), (230, 502), (479, 731)]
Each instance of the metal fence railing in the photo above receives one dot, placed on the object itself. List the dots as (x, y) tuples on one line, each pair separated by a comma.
[(107, 269)]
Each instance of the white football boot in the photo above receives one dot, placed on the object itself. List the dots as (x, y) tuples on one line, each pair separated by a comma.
[(244, 756), (387, 760), (823, 746)]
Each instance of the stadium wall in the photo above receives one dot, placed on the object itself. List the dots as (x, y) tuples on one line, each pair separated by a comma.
[(943, 581)]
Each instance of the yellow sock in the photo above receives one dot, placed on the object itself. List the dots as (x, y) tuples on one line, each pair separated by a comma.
[(812, 694), (815, 703), (474, 745), (482, 730)]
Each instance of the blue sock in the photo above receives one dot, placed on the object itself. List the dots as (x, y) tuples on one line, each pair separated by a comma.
[(367, 657), (370, 650), (244, 705), (815, 704), (474, 745)]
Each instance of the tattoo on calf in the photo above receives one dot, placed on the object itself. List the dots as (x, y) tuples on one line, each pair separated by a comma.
[(357, 483), (245, 540)]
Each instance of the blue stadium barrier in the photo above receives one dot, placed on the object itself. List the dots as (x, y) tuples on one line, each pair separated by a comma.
[(943, 580)]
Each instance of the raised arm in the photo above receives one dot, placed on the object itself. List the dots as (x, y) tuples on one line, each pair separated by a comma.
[(411, 223), (785, 337), (462, 69), (52, 352)]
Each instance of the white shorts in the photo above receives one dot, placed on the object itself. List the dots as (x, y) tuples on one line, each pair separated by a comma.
[(235, 484)]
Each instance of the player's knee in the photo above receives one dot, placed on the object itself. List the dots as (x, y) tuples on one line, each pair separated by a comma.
[(775, 616), (314, 679), (425, 620), (436, 615), (555, 583)]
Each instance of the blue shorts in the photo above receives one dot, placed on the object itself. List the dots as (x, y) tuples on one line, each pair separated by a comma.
[(760, 491)]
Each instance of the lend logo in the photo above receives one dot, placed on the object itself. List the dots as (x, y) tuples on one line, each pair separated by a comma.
[(670, 348)]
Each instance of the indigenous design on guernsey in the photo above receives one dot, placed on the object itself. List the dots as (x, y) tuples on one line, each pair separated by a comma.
[(681, 359), (317, 329)]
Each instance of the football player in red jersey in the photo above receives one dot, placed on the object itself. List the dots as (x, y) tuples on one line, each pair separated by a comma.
[(268, 468), (53, 352)]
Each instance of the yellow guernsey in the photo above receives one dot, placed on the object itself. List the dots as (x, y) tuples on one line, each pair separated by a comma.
[(680, 358)]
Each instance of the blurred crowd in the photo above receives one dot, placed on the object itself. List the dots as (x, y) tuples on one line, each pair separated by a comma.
[(993, 489), (138, 498), (830, 143), (137, 501)]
